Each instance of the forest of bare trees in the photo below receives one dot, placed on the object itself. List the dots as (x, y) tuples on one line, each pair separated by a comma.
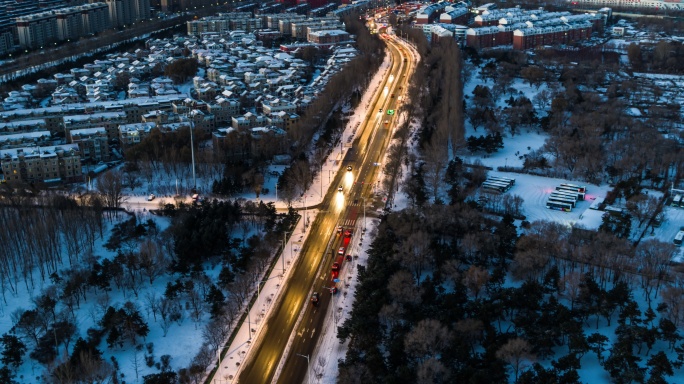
[(439, 307), (50, 255)]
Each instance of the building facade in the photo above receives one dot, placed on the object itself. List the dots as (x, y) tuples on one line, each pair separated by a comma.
[(42, 164)]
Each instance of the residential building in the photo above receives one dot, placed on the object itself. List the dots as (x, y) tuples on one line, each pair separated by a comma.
[(110, 121), (131, 134), (92, 142), (275, 105), (37, 30), (42, 164), (26, 139), (126, 12), (248, 120), (328, 37)]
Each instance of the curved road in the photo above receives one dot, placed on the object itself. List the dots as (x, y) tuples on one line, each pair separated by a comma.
[(312, 270)]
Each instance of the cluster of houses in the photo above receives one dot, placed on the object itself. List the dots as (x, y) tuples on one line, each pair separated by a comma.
[(486, 26), (527, 29), (245, 97), (323, 32)]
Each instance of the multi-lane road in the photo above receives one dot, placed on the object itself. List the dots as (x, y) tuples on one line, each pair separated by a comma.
[(312, 271)]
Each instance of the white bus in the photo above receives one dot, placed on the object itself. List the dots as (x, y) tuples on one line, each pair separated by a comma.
[(557, 199), (565, 207), (572, 196), (580, 195), (501, 179), (494, 187), (679, 237), (578, 188), (501, 183)]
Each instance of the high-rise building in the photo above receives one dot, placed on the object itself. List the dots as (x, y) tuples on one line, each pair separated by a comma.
[(39, 29), (126, 12)]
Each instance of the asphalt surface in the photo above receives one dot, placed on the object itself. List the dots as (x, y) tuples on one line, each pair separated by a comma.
[(312, 271)]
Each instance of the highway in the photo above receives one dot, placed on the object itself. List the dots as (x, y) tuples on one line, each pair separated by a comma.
[(312, 271)]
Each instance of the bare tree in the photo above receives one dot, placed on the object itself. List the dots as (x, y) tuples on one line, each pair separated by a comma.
[(516, 352), (432, 371), (216, 332), (402, 288), (474, 279), (110, 185), (427, 339)]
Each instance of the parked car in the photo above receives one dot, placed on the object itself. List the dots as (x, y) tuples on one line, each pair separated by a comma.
[(151, 197)]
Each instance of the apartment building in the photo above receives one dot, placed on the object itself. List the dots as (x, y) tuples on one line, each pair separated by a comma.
[(110, 121), (25, 139), (126, 12), (40, 29), (132, 134), (328, 37), (42, 164), (221, 23), (37, 30), (276, 105), (92, 142)]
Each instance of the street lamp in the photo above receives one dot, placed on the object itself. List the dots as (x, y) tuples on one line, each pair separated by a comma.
[(259, 287), (192, 154), (307, 366), (285, 233)]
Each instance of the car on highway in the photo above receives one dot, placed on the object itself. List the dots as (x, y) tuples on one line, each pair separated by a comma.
[(386, 122), (315, 298), (339, 229), (349, 168), (340, 189), (151, 197), (340, 251), (390, 111), (380, 110), (392, 95)]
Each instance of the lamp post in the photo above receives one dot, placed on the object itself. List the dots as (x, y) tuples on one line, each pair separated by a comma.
[(307, 365), (321, 173), (249, 324), (259, 286), (192, 154), (304, 229), (282, 259)]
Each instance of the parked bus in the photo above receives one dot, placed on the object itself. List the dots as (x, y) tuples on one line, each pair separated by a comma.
[(557, 199), (504, 183), (565, 207), (494, 187), (501, 179), (498, 183), (580, 195), (578, 188), (677, 201), (569, 195), (679, 237)]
